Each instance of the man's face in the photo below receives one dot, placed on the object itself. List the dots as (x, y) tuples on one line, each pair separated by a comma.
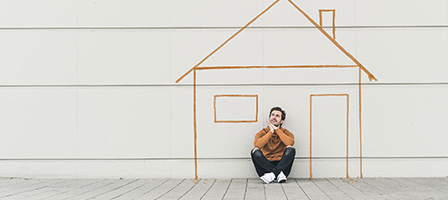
[(276, 118)]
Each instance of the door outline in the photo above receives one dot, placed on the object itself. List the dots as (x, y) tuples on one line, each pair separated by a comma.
[(311, 129)]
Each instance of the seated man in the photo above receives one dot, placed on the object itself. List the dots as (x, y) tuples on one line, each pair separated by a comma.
[(273, 154)]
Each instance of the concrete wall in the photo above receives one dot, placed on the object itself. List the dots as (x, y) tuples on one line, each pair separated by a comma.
[(88, 87)]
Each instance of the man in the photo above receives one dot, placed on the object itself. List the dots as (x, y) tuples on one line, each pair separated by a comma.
[(273, 154)]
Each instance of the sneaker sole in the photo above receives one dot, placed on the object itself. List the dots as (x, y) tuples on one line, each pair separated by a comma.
[(265, 180), (282, 181)]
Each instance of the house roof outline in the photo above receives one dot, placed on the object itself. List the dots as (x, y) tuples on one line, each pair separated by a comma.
[(327, 35), (316, 25)]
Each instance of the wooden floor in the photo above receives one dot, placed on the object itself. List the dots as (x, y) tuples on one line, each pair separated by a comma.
[(332, 188)]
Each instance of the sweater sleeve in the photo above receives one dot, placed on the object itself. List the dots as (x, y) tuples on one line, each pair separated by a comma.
[(261, 138), (286, 136)]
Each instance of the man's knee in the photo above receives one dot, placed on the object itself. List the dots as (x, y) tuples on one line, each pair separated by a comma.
[(254, 149), (290, 150), (256, 152)]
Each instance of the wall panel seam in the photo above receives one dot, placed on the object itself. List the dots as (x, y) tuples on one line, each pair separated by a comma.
[(222, 159), (223, 27), (219, 85)]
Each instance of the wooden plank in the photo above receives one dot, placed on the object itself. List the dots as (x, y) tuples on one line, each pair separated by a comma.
[(330, 189), (199, 190), (344, 186), (400, 190), (4, 182), (422, 191), (15, 184), (20, 185), (32, 191), (46, 191), (150, 185), (161, 189), (391, 190), (439, 184), (218, 189), (116, 192), (293, 190), (403, 188), (64, 188), (77, 190), (180, 190), (40, 184), (101, 190), (369, 190), (237, 189), (274, 191), (255, 189), (311, 190), (443, 180)]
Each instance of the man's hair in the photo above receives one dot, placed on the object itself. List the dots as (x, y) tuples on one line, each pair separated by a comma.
[(278, 109)]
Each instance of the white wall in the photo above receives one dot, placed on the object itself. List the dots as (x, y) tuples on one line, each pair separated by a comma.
[(88, 87)]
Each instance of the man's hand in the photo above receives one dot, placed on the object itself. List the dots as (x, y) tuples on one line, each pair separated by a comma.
[(271, 126)]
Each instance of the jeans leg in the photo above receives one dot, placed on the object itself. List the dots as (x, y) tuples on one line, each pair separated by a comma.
[(262, 165), (287, 170), (286, 162)]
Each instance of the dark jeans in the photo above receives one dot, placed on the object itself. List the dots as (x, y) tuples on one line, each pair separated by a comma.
[(263, 165)]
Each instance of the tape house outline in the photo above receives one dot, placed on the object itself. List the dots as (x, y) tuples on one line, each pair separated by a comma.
[(330, 38)]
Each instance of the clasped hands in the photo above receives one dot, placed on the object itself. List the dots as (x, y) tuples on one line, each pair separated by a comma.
[(272, 128)]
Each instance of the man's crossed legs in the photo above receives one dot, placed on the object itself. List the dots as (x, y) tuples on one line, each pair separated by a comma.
[(268, 171)]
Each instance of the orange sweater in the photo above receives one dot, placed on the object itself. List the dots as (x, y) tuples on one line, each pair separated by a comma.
[(273, 144)]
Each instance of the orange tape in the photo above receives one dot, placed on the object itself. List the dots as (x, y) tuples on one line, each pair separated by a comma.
[(371, 77), (319, 27), (334, 24), (346, 159), (276, 67), (332, 39), (311, 136), (320, 18), (360, 126), (239, 31), (334, 19), (195, 129), (311, 130), (236, 121), (326, 95), (236, 95)]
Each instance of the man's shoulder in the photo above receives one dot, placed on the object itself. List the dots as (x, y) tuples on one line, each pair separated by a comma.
[(285, 130)]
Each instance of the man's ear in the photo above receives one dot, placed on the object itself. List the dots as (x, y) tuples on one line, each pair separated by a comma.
[(281, 122)]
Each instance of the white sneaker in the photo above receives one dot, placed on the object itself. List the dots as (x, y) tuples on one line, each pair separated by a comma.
[(268, 177), (281, 177)]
